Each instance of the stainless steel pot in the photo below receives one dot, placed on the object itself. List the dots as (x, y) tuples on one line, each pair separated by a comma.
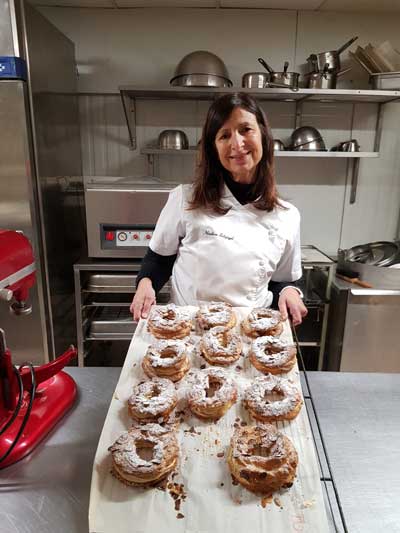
[(347, 146), (285, 78), (278, 145), (255, 80), (316, 62), (173, 140), (324, 79), (260, 80), (201, 69)]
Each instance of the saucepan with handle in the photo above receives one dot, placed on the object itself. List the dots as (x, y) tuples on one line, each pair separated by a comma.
[(317, 62), (286, 79), (324, 79)]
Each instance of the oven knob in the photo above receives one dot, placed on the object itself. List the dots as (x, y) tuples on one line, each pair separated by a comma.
[(148, 236), (135, 236), (122, 236), (109, 235)]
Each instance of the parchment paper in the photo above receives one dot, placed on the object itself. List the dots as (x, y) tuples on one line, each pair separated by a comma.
[(213, 504)]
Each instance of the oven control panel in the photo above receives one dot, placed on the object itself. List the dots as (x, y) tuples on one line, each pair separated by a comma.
[(115, 237), (133, 238)]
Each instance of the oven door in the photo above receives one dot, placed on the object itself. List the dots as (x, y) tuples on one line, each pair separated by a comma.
[(120, 221)]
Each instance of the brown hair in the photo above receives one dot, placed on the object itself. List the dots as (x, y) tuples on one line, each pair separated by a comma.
[(209, 178)]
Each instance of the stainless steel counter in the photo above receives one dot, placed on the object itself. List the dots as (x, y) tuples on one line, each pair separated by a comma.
[(359, 416), (48, 492)]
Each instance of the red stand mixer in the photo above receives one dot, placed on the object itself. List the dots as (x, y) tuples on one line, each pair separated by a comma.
[(32, 399)]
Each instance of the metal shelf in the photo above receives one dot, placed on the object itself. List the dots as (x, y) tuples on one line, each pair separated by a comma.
[(283, 95), (278, 153), (130, 93)]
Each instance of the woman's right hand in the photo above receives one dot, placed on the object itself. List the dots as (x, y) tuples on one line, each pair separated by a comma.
[(144, 298)]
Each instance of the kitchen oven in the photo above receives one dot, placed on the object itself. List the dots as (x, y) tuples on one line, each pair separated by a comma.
[(121, 214)]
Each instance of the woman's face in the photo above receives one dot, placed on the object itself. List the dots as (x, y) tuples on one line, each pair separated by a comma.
[(239, 145)]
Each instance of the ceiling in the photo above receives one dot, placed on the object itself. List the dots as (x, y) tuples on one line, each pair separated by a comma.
[(361, 6)]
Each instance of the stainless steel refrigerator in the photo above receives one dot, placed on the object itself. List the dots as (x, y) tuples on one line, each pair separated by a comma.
[(41, 188)]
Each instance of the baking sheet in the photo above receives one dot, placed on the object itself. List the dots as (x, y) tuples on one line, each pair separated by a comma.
[(212, 504)]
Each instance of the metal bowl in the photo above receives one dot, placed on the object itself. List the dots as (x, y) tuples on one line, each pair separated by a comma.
[(317, 145), (278, 145), (173, 140), (201, 69), (307, 138), (200, 80)]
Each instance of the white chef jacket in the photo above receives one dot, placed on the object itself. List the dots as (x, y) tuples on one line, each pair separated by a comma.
[(229, 257)]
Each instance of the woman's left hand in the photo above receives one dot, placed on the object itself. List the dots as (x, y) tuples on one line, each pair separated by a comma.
[(290, 303)]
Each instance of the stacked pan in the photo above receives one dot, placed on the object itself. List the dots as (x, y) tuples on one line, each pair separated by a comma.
[(324, 68)]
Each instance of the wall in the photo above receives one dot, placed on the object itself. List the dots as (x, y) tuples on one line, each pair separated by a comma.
[(142, 47)]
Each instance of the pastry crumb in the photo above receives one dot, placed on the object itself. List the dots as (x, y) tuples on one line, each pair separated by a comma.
[(180, 515), (221, 484), (192, 431), (278, 502), (308, 503), (266, 500), (220, 454)]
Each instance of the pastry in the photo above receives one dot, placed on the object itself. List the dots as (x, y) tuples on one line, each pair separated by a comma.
[(272, 355), (169, 322), (272, 398), (145, 455), (261, 322), (216, 314), (211, 393), (167, 359), (220, 346), (153, 400), (262, 459)]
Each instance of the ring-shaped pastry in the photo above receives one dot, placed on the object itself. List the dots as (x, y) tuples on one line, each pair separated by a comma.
[(169, 322), (262, 459), (262, 322), (272, 355), (166, 359), (272, 398), (145, 455), (211, 394), (216, 314), (153, 401), (220, 346)]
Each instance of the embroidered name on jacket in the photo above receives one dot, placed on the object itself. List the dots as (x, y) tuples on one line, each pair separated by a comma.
[(212, 233)]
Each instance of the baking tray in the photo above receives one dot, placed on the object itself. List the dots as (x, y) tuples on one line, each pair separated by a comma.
[(213, 504)]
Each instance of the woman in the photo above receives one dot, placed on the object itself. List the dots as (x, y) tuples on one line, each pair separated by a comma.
[(227, 237)]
